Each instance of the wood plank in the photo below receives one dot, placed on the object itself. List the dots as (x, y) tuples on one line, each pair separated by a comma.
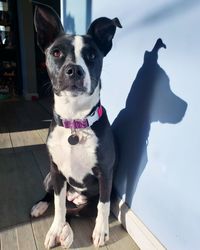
[(5, 141), (134, 226), (83, 228), (40, 229), (18, 125), (3, 112), (22, 180), (37, 115), (9, 240), (25, 138), (9, 198), (25, 238), (43, 134), (11, 118), (119, 238), (42, 158), (24, 116)]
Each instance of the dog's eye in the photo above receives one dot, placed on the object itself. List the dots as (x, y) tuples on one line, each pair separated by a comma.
[(57, 53), (91, 57)]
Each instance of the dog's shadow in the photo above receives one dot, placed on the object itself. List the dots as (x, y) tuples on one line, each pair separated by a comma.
[(150, 100)]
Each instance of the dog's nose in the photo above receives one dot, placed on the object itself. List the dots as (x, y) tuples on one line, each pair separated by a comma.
[(75, 72)]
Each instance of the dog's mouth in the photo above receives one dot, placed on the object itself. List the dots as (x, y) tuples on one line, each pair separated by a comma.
[(74, 87)]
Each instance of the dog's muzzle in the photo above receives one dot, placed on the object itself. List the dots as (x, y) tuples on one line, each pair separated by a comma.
[(74, 72), (73, 78)]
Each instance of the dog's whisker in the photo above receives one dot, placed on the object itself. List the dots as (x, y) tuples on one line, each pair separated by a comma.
[(47, 87), (46, 84)]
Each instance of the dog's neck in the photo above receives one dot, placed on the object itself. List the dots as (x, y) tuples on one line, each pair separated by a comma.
[(78, 107)]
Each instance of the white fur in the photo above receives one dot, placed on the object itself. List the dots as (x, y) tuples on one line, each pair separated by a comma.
[(101, 231), (60, 231), (75, 107), (73, 161), (78, 45), (73, 195), (76, 198), (39, 208)]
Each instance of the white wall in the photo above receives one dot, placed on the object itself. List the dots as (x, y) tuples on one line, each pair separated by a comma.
[(166, 194)]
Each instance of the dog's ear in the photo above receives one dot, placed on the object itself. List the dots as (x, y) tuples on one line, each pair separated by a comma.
[(47, 25), (102, 31)]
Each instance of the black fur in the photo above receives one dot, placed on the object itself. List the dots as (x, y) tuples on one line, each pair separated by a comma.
[(106, 161), (58, 178), (103, 171), (65, 74), (102, 30), (42, 25)]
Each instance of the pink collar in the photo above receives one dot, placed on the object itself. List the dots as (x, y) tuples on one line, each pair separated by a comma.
[(80, 123)]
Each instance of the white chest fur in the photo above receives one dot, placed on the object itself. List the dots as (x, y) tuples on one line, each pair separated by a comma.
[(74, 161)]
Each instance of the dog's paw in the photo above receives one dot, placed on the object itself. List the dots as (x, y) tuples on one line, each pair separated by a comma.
[(59, 234), (76, 198), (39, 209), (101, 233), (66, 237)]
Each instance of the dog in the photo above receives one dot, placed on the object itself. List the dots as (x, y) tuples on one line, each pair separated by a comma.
[(80, 141)]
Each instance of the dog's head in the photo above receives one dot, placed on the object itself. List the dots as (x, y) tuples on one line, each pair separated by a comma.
[(74, 63)]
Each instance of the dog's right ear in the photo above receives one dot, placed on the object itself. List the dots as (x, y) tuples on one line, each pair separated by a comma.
[(47, 25)]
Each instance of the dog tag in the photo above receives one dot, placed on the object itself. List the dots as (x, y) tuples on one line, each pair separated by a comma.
[(73, 139)]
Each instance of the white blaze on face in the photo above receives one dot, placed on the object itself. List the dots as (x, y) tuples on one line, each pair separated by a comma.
[(78, 45)]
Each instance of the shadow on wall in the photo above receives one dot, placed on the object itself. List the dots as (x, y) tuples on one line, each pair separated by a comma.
[(150, 100)]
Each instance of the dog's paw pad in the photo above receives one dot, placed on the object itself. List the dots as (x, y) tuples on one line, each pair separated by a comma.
[(39, 209)]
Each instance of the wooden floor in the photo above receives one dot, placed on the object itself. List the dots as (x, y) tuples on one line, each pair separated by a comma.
[(23, 165)]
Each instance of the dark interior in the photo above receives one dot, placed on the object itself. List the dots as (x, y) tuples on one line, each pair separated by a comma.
[(16, 53)]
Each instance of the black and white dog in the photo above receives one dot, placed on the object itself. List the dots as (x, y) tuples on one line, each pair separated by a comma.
[(80, 141)]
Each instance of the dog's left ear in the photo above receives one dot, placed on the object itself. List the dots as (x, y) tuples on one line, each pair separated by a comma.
[(102, 31), (47, 25)]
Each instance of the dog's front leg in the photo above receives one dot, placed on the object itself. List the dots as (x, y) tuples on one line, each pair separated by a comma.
[(60, 231), (101, 231)]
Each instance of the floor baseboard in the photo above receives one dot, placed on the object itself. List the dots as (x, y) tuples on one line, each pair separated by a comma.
[(135, 227)]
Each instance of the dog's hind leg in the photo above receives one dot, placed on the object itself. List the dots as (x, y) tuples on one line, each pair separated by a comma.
[(42, 205)]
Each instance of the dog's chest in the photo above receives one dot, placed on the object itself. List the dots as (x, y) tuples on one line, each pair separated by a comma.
[(74, 161)]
